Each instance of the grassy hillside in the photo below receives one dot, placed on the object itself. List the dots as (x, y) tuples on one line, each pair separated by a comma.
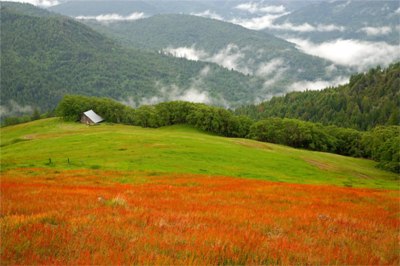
[(44, 56), (177, 149)]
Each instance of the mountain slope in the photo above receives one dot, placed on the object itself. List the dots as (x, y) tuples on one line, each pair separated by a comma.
[(278, 62), (362, 20), (47, 56), (368, 100)]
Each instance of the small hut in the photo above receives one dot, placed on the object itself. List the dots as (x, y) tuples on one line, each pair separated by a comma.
[(90, 118)]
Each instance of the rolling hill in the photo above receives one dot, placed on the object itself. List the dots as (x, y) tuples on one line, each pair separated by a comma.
[(45, 56), (177, 149), (277, 62)]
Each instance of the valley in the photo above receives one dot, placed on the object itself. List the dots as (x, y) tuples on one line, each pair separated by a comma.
[(199, 132)]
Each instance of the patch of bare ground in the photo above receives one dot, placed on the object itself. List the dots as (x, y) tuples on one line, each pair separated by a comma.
[(253, 144), (320, 165)]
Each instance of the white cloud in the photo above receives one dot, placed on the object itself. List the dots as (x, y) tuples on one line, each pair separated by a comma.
[(256, 23), (373, 31), (208, 14), (194, 93), (353, 53), (277, 76), (267, 22), (316, 85), (41, 3), (268, 68), (259, 8), (195, 96), (397, 11), (174, 93), (190, 53), (230, 57), (13, 108), (113, 17), (328, 27)]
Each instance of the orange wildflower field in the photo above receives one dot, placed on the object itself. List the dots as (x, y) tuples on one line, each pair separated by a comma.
[(86, 217)]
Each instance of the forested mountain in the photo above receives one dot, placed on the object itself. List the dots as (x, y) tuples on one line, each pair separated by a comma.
[(93, 8), (223, 8), (44, 56), (276, 61), (362, 20), (368, 100)]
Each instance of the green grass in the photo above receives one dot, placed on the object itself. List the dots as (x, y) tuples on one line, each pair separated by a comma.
[(178, 149)]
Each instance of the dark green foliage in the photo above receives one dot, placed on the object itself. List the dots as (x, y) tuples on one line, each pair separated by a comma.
[(347, 141), (370, 99), (295, 133), (383, 144)]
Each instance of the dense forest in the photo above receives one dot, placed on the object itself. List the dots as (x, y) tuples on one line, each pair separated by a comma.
[(368, 100), (381, 143), (45, 56)]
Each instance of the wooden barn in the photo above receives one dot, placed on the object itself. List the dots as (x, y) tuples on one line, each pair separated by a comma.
[(91, 118)]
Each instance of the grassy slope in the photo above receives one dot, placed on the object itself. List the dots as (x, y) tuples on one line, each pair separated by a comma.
[(178, 149)]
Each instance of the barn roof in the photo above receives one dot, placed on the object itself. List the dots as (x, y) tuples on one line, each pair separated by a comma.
[(93, 116)]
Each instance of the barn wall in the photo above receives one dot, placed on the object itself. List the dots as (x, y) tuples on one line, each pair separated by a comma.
[(86, 120)]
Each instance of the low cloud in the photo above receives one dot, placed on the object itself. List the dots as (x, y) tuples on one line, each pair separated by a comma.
[(113, 17), (267, 22), (14, 109), (317, 84), (41, 3), (256, 23), (254, 8), (374, 31), (208, 14), (230, 57), (174, 93), (353, 53), (195, 93), (269, 67), (190, 53)]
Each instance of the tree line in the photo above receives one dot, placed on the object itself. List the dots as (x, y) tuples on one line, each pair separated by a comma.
[(381, 143)]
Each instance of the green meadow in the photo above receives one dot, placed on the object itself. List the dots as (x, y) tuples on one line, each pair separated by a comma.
[(58, 145)]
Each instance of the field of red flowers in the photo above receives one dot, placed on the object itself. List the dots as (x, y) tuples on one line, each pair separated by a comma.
[(85, 217)]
